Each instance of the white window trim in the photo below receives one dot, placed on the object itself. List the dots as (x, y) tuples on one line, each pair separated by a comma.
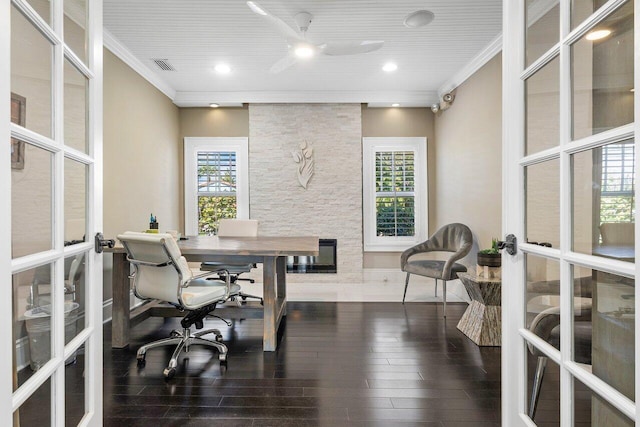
[(371, 145), (191, 147)]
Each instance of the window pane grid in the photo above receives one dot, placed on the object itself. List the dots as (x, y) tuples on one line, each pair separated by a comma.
[(217, 172), (395, 198)]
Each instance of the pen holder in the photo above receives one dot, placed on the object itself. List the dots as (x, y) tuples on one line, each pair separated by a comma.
[(153, 225)]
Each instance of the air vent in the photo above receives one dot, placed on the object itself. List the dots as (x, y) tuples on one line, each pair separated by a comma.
[(164, 64)]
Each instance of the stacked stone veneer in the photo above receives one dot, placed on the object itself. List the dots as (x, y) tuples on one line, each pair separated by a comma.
[(331, 206)]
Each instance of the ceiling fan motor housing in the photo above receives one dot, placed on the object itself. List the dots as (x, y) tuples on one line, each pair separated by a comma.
[(303, 20)]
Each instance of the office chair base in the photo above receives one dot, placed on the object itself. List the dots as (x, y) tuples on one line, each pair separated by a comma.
[(243, 298), (183, 340)]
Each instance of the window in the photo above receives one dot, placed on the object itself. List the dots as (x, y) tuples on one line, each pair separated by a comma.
[(618, 175), (394, 193), (216, 182)]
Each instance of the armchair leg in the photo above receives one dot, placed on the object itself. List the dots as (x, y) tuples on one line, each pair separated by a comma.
[(406, 284), (537, 383), (436, 291), (444, 298)]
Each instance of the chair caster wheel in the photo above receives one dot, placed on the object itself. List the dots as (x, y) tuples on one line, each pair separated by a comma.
[(169, 373), (261, 302), (141, 361), (174, 334), (223, 359), (218, 338), (244, 298)]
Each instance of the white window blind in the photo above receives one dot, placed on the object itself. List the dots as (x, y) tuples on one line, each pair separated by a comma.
[(395, 198), (617, 190)]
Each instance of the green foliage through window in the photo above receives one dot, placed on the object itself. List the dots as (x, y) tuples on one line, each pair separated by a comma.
[(211, 209)]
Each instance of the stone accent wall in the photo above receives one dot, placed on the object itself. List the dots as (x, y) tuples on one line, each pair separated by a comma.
[(331, 206)]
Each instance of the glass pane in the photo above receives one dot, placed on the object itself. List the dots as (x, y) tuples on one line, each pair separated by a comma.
[(543, 28), (543, 108), (602, 75), (75, 294), (217, 172), (212, 209), (75, 108), (582, 9), (31, 199), (613, 353), (75, 24), (547, 403), (74, 390), (31, 320), (395, 216), (43, 7), (543, 203), (31, 74), (75, 202), (36, 410), (604, 201), (543, 295), (592, 410)]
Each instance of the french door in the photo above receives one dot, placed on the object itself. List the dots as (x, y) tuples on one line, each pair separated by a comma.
[(50, 211), (569, 106)]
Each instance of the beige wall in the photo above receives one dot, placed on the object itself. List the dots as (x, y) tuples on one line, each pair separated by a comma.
[(141, 152), (400, 122), (468, 145)]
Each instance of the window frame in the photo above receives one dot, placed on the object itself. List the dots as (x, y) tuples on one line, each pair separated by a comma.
[(192, 145), (370, 146)]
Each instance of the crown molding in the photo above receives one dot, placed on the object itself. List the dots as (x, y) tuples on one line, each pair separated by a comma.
[(485, 55), (122, 52), (374, 98)]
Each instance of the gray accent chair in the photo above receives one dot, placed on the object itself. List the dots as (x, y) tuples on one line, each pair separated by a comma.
[(456, 238)]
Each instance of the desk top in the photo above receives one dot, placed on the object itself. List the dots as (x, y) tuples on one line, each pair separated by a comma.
[(251, 246)]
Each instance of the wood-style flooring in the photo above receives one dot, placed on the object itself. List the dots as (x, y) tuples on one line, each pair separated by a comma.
[(338, 364)]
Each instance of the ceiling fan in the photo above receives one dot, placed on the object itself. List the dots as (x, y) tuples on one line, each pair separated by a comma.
[(300, 47)]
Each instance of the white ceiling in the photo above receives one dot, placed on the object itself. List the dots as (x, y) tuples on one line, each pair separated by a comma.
[(195, 35)]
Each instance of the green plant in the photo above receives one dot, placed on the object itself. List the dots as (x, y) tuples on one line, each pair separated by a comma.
[(494, 250)]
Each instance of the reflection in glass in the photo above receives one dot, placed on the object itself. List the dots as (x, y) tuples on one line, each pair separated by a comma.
[(602, 75), (543, 396), (543, 108), (31, 73), (543, 202), (592, 410), (543, 290), (604, 201), (543, 28), (75, 294), (75, 23), (582, 9), (75, 201), (74, 391), (31, 199), (36, 410), (43, 7), (75, 108)]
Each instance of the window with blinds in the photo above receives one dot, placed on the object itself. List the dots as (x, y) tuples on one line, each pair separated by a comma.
[(617, 189), (395, 198), (217, 176)]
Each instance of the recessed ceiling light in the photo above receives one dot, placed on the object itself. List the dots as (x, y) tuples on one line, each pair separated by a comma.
[(222, 69), (395, 105), (597, 34), (214, 105), (419, 18), (389, 67), (303, 51)]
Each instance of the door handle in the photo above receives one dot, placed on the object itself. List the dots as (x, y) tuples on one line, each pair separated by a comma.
[(510, 243), (101, 242)]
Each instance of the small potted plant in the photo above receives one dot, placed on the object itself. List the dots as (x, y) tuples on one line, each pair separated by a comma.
[(489, 261)]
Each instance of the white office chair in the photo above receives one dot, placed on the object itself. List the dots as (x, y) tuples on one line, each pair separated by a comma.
[(161, 272), (235, 228)]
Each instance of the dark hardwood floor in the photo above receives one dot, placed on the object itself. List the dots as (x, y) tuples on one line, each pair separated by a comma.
[(338, 364)]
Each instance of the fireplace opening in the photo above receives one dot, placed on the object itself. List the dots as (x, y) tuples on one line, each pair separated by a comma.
[(325, 262)]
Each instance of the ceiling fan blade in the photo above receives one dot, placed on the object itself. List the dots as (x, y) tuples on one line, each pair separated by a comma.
[(350, 48), (283, 64), (278, 24)]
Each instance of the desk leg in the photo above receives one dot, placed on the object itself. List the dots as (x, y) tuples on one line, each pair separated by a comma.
[(120, 310), (281, 272), (270, 336)]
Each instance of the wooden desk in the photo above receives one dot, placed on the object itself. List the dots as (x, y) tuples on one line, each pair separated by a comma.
[(271, 252)]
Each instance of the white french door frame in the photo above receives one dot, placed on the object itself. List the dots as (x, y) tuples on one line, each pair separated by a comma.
[(514, 332), (91, 335)]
